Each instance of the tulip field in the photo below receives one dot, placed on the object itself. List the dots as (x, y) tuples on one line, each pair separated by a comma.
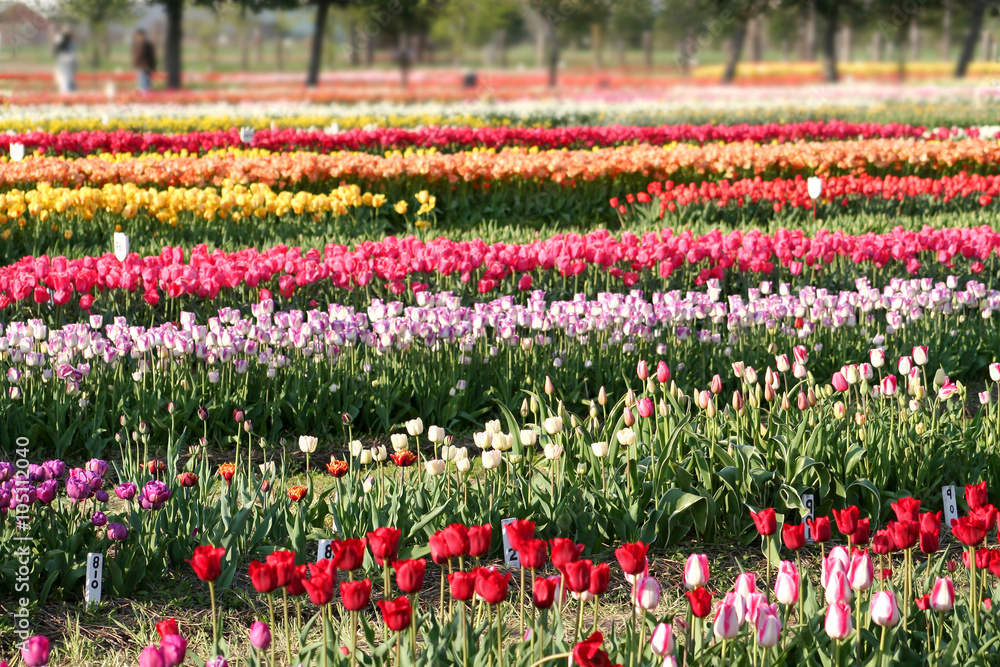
[(499, 387)]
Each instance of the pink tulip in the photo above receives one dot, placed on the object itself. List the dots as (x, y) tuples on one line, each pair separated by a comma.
[(746, 584), (662, 640), (947, 390), (786, 586), (647, 593), (840, 382), (995, 372), (716, 385), (884, 609), (861, 573), (739, 604), (662, 372), (642, 370), (837, 559), (769, 631), (838, 621), (645, 407), (801, 354), (174, 650), (889, 385), (726, 625), (151, 657), (35, 651), (756, 605), (943, 595), (696, 571), (837, 588)]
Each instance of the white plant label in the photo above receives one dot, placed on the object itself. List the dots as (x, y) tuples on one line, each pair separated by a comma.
[(510, 557), (325, 550), (950, 504), (95, 572), (121, 246), (810, 502)]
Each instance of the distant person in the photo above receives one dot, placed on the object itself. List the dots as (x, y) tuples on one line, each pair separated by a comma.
[(65, 54), (143, 60)]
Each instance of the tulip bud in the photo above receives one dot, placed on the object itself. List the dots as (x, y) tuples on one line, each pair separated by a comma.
[(782, 363), (884, 609), (663, 408), (662, 372), (549, 387), (662, 640), (602, 397), (552, 425), (716, 385), (628, 418), (696, 571), (750, 376), (524, 409), (647, 593), (943, 595), (642, 369), (839, 410)]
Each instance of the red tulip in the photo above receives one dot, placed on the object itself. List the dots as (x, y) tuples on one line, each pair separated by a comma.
[(519, 531), (491, 585), (984, 516), (351, 554), (356, 594), (929, 541), (457, 537), (577, 575), (930, 522), (564, 550), (700, 600), (263, 576), (975, 495), (600, 578), (533, 554), (793, 536), (632, 557), (967, 531), (765, 521), (847, 519), (906, 509), (544, 591), (295, 586), (984, 557), (883, 543), (862, 533), (207, 562), (904, 533), (396, 613), (167, 627), (479, 540), (439, 549), (410, 574), (462, 585), (384, 543), (923, 603), (319, 585), (819, 529), (588, 653), (283, 563)]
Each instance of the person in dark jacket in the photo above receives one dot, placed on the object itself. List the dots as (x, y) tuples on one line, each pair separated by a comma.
[(143, 59)]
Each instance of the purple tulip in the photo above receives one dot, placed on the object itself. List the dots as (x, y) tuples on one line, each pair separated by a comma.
[(97, 466), (6, 471), (217, 661), (77, 489), (101, 496), (99, 519), (22, 492), (154, 494), (37, 473), (56, 468), (117, 532), (45, 493), (126, 491)]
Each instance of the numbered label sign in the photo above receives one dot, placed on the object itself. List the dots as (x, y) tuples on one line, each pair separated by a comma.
[(810, 502), (510, 557), (121, 246), (325, 550), (95, 575), (950, 504)]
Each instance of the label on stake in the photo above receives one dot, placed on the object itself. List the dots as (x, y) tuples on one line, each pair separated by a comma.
[(950, 504), (325, 550), (121, 246), (95, 572), (510, 557), (810, 502)]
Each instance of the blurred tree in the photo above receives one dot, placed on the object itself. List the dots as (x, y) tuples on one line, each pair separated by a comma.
[(319, 35), (976, 15), (476, 22), (553, 13), (96, 14)]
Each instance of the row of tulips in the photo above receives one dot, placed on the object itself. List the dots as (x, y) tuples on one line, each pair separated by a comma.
[(795, 193), (411, 264), (451, 138), (515, 165), (747, 626), (253, 203)]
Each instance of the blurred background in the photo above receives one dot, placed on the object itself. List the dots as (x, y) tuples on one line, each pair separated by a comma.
[(352, 50)]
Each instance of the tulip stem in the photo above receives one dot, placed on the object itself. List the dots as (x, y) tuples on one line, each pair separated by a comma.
[(597, 604), (322, 613), (354, 638), (520, 601), (881, 646), (465, 638), (288, 640), (973, 592), (937, 642), (441, 603), (579, 619), (798, 567), (215, 624), (557, 656), (642, 636), (499, 639), (270, 609)]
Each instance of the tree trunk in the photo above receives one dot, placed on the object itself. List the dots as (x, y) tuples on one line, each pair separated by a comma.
[(878, 46), (596, 43), (914, 40), (172, 48), (755, 35), (845, 43), (279, 51), (971, 38), (501, 38), (647, 48), (354, 58), (553, 53), (258, 43), (95, 44), (830, 45), (404, 59), (245, 48), (735, 50), (946, 31), (620, 49), (316, 48)]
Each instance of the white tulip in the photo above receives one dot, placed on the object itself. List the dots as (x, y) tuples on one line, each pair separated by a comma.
[(415, 427), (464, 465), (600, 449), (379, 453), (355, 447), (491, 459), (552, 451), (493, 426), (400, 442), (529, 437), (307, 443), (435, 434), (17, 152), (483, 439), (553, 425), (626, 437), (434, 467)]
